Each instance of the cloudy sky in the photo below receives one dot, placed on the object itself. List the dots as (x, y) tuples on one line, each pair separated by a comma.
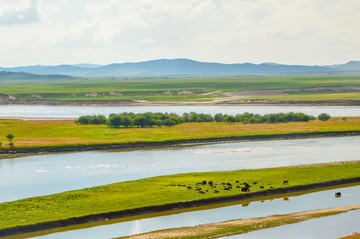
[(52, 32)]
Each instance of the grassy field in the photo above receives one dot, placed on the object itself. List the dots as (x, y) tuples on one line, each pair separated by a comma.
[(170, 89), (162, 190), (309, 97), (43, 133)]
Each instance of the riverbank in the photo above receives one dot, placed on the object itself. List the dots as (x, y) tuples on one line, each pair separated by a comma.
[(124, 146), (36, 136), (165, 193), (236, 227), (217, 102)]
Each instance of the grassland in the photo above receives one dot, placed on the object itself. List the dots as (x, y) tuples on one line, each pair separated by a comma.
[(63, 133), (178, 89), (160, 191)]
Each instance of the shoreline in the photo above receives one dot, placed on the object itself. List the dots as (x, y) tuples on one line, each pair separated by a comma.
[(168, 207), (189, 142), (179, 103), (243, 226)]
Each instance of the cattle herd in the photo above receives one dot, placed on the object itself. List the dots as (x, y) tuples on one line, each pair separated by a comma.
[(207, 186)]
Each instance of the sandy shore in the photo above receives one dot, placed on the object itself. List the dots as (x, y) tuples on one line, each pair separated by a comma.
[(215, 230)]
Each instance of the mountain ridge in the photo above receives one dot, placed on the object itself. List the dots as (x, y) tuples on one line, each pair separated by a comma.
[(181, 66)]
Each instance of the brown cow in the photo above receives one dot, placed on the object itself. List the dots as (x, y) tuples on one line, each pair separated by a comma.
[(286, 181)]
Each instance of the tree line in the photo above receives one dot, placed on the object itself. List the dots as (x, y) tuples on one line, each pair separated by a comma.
[(150, 119)]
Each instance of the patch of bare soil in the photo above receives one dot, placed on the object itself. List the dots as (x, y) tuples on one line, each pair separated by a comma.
[(245, 225), (91, 94), (115, 93)]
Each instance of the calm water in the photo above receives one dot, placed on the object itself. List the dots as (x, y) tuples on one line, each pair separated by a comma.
[(76, 111), (302, 202), (48, 174), (323, 228)]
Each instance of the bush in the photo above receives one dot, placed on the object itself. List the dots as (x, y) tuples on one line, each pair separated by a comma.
[(324, 117)]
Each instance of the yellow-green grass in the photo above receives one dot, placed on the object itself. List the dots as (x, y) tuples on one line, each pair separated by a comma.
[(45, 133), (309, 97), (160, 191)]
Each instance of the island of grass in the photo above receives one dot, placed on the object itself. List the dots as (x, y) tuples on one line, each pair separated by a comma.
[(166, 193), (64, 135)]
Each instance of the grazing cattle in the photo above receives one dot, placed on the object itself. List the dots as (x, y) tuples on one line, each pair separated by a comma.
[(229, 184), (245, 189), (188, 187), (238, 186), (271, 187), (338, 194), (286, 181), (236, 181), (254, 183), (261, 186), (198, 189), (246, 184), (201, 192), (211, 183), (227, 189), (203, 182), (216, 191)]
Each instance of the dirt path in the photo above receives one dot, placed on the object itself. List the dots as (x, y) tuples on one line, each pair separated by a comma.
[(215, 230)]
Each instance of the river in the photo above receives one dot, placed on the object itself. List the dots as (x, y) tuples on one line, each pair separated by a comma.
[(76, 111), (53, 173)]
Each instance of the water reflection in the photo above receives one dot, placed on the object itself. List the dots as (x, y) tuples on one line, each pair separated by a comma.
[(47, 174), (216, 213)]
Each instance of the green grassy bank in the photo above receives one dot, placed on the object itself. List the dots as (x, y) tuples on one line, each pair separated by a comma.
[(163, 190)]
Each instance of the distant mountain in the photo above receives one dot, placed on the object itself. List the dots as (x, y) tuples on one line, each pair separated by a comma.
[(350, 66), (12, 76), (181, 67)]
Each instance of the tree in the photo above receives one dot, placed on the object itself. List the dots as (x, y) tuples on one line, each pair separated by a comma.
[(169, 122), (10, 137), (324, 117), (126, 121), (114, 121)]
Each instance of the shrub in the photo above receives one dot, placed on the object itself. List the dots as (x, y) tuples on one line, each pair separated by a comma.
[(324, 117)]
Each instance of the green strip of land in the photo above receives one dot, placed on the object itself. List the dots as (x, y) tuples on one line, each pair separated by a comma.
[(65, 133), (163, 190)]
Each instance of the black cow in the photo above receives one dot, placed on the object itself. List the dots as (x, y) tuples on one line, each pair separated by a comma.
[(338, 194), (245, 189)]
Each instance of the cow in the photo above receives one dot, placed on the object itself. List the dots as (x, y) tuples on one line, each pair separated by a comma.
[(285, 181), (245, 189), (338, 194), (261, 186)]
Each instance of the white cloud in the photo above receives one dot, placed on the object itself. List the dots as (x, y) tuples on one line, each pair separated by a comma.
[(19, 13), (285, 31)]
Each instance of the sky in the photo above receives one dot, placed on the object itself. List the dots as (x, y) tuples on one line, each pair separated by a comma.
[(307, 32)]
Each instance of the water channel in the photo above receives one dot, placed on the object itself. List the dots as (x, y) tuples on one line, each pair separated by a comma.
[(263, 207), (323, 228), (47, 174), (76, 111)]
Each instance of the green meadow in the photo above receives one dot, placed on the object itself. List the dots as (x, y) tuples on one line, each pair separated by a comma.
[(162, 190), (192, 88)]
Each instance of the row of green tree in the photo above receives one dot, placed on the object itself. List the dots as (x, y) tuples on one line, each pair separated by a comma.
[(170, 119)]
